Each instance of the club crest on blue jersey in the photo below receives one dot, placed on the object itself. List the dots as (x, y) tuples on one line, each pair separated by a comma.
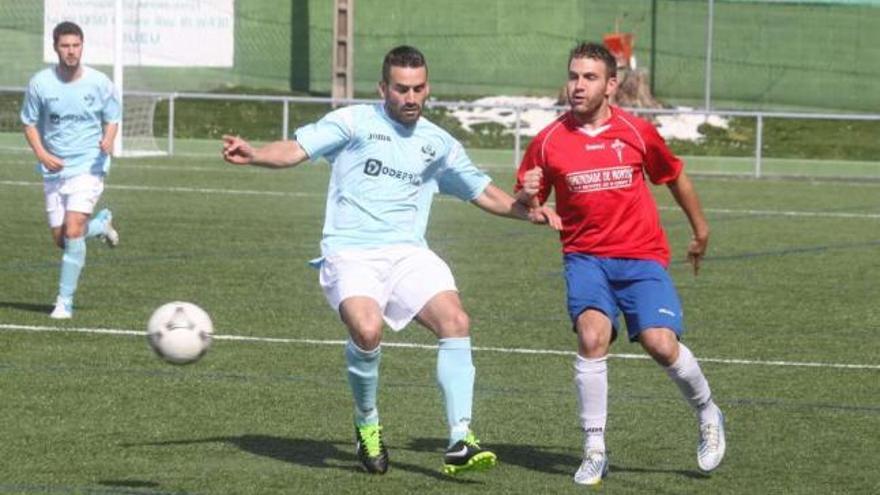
[(428, 153)]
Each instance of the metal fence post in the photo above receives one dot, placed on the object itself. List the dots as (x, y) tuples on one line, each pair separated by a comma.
[(171, 123), (710, 22), (517, 145), (286, 117), (759, 144)]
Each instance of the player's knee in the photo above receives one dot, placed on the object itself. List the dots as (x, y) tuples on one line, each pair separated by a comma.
[(365, 331), (458, 324), (593, 342), (661, 344), (367, 338), (594, 334)]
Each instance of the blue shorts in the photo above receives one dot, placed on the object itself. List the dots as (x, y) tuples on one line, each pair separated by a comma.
[(641, 289)]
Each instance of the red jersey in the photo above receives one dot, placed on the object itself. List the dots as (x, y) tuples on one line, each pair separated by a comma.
[(599, 177)]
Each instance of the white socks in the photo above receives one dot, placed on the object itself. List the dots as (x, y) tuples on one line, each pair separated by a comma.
[(591, 382), (686, 373)]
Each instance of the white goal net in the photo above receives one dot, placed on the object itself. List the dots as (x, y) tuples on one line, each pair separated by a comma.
[(138, 124)]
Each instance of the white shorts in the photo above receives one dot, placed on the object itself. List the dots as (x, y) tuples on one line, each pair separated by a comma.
[(401, 279), (79, 193)]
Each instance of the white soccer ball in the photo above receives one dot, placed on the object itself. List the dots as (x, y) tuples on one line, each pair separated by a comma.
[(180, 332)]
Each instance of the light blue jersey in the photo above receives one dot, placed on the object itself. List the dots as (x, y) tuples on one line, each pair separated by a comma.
[(70, 117), (384, 176)]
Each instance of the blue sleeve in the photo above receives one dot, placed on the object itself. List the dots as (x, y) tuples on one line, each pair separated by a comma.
[(111, 112), (30, 108), (327, 136), (459, 176)]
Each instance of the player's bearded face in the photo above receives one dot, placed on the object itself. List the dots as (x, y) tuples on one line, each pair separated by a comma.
[(405, 93), (588, 86), (69, 50)]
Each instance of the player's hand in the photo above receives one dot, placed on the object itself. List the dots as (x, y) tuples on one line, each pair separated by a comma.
[(696, 251), (545, 215), (106, 146), (531, 182), (237, 151), (51, 162)]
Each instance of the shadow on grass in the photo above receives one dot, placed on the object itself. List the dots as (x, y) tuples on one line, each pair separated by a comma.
[(130, 483), (24, 306), (545, 459), (687, 473), (309, 453), (533, 457)]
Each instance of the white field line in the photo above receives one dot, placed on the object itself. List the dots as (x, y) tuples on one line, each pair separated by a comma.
[(200, 190), (500, 350), (123, 187), (783, 213)]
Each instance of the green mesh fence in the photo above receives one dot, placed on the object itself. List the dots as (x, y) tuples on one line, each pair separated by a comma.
[(804, 54), (263, 54)]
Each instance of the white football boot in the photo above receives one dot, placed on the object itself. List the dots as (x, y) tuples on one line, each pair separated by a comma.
[(710, 450), (593, 469), (63, 309)]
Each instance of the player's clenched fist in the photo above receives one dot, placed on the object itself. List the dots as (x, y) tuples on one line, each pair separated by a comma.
[(236, 150), (532, 181)]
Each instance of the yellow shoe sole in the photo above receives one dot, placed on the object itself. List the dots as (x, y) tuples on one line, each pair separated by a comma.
[(480, 462)]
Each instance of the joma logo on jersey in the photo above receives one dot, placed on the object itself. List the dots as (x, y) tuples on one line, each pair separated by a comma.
[(379, 137), (90, 99)]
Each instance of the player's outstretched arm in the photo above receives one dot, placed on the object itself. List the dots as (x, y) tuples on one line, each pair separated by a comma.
[(277, 154), (685, 195), (498, 202)]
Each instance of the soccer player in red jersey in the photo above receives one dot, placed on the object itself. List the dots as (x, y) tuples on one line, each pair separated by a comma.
[(598, 159)]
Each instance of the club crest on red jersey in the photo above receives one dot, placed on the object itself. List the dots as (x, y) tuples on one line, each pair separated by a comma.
[(618, 147)]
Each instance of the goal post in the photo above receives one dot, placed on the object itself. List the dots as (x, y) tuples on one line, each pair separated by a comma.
[(135, 136), (118, 16)]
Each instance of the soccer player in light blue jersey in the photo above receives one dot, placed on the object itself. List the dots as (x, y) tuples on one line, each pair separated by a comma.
[(71, 114), (387, 163)]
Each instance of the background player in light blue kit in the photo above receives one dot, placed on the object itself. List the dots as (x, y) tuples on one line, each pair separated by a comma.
[(387, 164), (70, 115)]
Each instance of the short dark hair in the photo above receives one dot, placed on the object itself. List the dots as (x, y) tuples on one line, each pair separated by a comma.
[(402, 56), (595, 51), (66, 27)]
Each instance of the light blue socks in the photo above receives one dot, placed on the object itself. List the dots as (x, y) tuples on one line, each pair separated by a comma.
[(71, 265), (363, 377), (98, 223), (455, 375)]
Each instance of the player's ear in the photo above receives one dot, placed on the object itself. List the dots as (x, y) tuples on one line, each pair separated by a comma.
[(611, 86), (383, 88)]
